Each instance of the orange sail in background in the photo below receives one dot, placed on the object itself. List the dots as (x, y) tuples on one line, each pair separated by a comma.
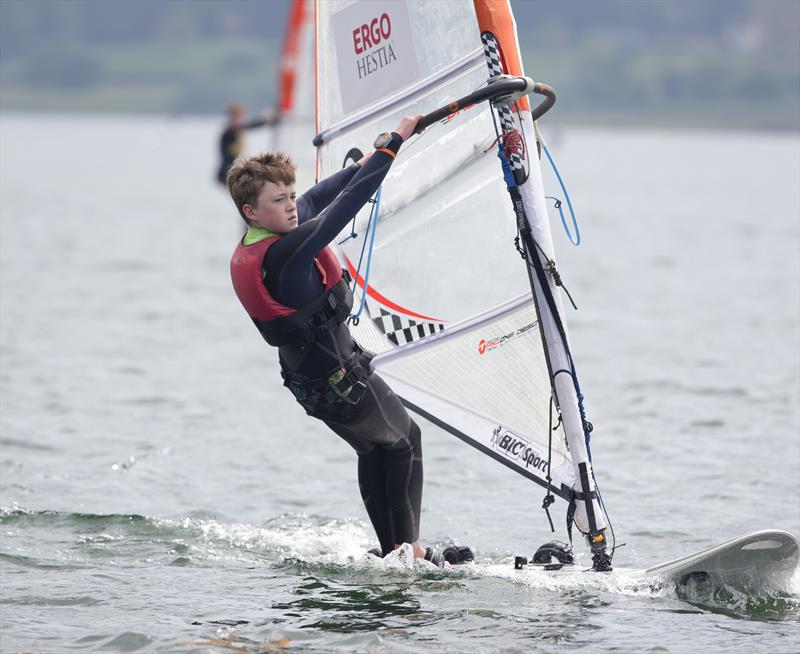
[(290, 55)]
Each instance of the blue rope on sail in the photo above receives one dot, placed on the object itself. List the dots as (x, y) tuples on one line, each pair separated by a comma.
[(353, 233), (372, 224), (577, 239)]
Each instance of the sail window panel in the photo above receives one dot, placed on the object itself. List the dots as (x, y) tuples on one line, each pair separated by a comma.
[(444, 245)]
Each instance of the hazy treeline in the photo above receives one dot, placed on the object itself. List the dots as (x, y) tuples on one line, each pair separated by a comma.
[(685, 61)]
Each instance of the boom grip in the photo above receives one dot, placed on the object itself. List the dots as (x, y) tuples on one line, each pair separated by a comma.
[(545, 105), (505, 89)]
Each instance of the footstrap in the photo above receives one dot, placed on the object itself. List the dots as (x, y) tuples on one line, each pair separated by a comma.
[(434, 557)]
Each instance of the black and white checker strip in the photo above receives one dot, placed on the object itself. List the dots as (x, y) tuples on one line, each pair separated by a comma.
[(492, 52), (401, 330), (491, 49)]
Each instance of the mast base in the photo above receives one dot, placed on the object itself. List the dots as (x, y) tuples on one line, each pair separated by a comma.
[(601, 560)]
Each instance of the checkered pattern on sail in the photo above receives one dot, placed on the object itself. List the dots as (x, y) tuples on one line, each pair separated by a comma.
[(401, 329), (397, 327), (494, 61)]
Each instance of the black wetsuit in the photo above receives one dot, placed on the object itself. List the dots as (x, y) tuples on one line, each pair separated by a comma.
[(231, 144), (378, 427)]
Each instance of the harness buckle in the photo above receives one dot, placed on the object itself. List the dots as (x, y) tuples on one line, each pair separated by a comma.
[(356, 392), (348, 384)]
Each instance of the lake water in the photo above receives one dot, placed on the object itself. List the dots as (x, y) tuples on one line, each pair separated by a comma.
[(161, 492)]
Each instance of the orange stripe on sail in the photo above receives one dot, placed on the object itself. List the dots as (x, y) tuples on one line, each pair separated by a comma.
[(495, 16)]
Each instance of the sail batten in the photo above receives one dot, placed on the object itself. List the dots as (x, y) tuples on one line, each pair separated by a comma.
[(452, 331)]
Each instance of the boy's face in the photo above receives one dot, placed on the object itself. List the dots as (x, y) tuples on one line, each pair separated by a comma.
[(275, 209)]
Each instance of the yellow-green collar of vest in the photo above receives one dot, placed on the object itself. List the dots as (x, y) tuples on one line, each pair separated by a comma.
[(256, 234)]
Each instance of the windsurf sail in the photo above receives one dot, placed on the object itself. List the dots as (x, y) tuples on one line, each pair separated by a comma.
[(460, 297)]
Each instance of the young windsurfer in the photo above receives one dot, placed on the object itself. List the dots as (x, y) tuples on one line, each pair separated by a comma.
[(290, 283)]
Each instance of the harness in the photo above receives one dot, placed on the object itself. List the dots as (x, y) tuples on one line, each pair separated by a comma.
[(341, 388)]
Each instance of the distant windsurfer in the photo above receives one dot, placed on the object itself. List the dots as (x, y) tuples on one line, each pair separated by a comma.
[(231, 142), (291, 285)]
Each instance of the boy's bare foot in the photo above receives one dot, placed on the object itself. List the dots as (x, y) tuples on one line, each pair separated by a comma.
[(428, 554)]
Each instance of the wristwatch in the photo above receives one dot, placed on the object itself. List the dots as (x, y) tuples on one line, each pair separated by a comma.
[(383, 140)]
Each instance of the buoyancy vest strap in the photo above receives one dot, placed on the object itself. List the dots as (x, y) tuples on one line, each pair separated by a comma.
[(312, 322)]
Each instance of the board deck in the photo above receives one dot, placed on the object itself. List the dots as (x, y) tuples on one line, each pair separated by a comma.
[(763, 554), (759, 557)]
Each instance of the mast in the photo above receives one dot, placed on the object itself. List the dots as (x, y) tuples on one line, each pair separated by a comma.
[(501, 47)]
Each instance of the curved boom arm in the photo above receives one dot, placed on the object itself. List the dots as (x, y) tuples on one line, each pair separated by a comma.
[(502, 89), (545, 105)]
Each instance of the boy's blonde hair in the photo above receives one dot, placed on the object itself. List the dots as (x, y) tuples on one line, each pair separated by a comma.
[(246, 177)]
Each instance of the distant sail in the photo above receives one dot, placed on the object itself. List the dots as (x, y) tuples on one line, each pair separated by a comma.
[(294, 130), (449, 306)]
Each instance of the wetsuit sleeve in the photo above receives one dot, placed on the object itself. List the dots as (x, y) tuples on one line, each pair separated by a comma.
[(319, 196), (287, 266)]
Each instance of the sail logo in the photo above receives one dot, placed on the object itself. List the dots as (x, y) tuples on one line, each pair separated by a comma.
[(514, 144), (369, 36), (375, 53), (517, 448), (485, 346)]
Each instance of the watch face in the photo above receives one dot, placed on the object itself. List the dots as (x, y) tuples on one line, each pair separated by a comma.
[(383, 140)]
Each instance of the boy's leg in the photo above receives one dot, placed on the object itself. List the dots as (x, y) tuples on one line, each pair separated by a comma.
[(372, 484), (404, 486), (381, 422)]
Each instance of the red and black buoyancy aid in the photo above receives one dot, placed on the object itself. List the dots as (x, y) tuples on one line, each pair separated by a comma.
[(278, 323)]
